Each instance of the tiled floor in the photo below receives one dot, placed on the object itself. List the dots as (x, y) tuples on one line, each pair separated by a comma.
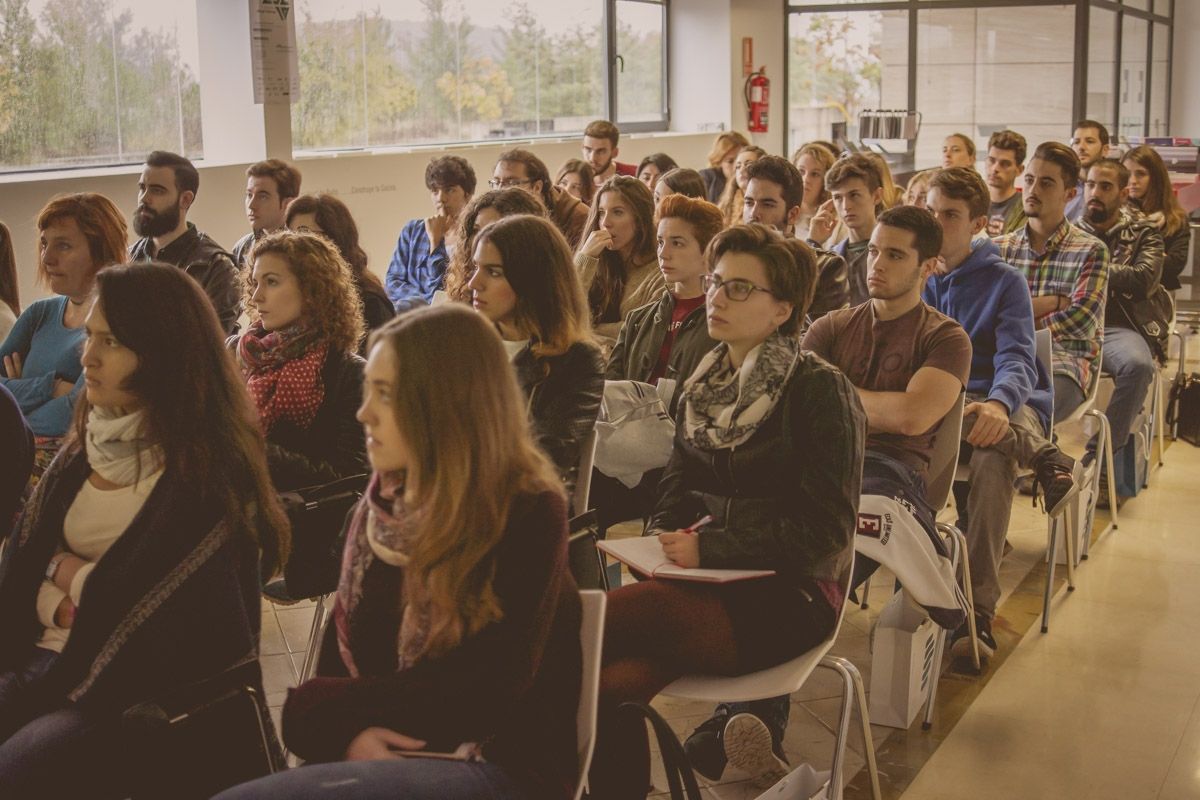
[(1107, 705)]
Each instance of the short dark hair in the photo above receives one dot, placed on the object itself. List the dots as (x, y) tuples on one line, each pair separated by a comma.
[(1009, 140), (661, 160), (963, 183), (851, 167), (1097, 126), (187, 178), (1116, 166), (790, 264), (1063, 156), (286, 177), (535, 170), (778, 169), (927, 233), (447, 171), (603, 129), (685, 181)]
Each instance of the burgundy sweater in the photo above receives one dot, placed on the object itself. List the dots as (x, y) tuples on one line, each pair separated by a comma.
[(513, 686)]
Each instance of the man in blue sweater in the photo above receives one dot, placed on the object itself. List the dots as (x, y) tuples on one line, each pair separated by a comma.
[(424, 246), (1009, 393)]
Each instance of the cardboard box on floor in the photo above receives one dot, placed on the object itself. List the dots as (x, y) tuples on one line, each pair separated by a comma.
[(901, 662)]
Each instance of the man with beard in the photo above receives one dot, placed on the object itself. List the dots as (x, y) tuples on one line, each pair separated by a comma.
[(1137, 313), (600, 151), (1066, 269), (1090, 142), (774, 192), (1005, 162), (166, 190)]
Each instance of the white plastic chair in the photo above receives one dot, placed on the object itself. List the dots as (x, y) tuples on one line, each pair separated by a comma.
[(789, 677), (591, 635), (583, 480)]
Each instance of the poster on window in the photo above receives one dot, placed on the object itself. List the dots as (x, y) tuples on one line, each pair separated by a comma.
[(273, 51)]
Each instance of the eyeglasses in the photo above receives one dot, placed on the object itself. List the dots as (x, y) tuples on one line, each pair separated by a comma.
[(738, 289), (507, 183)]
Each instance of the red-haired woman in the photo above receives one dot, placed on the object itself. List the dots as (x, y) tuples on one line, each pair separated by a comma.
[(39, 360)]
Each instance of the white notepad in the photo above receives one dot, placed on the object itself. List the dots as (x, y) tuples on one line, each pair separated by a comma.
[(645, 554)]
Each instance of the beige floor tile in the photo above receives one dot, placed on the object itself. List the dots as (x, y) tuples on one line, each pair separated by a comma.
[(296, 624)]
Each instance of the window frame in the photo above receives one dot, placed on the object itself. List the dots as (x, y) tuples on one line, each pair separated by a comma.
[(615, 63), (1080, 58)]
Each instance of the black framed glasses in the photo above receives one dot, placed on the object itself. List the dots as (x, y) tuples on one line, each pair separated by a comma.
[(737, 289), (508, 183)]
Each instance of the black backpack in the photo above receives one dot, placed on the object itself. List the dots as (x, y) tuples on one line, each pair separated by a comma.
[(1183, 412)]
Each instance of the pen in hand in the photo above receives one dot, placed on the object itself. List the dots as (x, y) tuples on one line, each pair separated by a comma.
[(695, 527)]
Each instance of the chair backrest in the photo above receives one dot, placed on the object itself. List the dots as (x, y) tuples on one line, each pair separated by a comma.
[(591, 636), (943, 462), (583, 558), (583, 481), (1043, 343)]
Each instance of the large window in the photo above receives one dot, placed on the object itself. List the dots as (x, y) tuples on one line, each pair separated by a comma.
[(977, 66), (840, 63), (96, 82), (396, 72)]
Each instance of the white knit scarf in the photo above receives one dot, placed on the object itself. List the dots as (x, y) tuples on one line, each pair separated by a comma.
[(117, 449)]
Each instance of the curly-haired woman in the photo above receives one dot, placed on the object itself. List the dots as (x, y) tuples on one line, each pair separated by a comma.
[(299, 358)]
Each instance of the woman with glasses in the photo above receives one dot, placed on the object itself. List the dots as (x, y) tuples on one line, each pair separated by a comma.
[(769, 445)]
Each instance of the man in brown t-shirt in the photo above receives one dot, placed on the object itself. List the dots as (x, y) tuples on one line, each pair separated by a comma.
[(908, 361)]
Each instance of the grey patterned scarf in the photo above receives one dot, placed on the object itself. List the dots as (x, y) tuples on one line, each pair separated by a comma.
[(723, 406)]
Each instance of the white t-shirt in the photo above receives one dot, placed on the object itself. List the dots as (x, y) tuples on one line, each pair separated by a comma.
[(95, 520)]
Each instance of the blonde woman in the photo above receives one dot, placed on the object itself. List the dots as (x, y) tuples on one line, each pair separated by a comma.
[(720, 163), (617, 263), (733, 195), (457, 622)]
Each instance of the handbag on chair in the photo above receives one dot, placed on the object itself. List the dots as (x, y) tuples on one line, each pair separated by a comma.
[(1183, 411)]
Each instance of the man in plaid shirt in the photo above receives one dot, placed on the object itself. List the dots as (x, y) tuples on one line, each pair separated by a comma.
[(1067, 271)]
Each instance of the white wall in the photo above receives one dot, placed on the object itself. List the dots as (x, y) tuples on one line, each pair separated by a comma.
[(766, 22), (1185, 70)]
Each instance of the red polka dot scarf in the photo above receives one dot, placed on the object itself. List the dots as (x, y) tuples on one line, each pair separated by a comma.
[(283, 373)]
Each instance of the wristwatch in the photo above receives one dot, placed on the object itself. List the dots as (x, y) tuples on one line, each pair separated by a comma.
[(55, 563)]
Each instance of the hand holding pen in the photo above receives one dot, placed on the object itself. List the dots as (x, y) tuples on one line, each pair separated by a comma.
[(683, 546)]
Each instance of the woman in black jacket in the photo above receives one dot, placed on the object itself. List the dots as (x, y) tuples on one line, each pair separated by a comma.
[(135, 569), (299, 359), (769, 445), (525, 283)]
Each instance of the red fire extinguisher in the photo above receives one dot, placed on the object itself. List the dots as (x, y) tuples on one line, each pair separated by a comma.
[(758, 100)]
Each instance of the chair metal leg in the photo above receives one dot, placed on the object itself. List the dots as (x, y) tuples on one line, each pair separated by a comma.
[(970, 594), (1052, 554), (1112, 480), (866, 591), (852, 689), (308, 668), (1160, 417)]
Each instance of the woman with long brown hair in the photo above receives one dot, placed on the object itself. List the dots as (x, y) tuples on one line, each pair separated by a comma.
[(10, 291), (525, 284), (484, 210), (457, 621), (39, 360), (299, 358), (1150, 192), (325, 215), (136, 569), (576, 178), (617, 263)]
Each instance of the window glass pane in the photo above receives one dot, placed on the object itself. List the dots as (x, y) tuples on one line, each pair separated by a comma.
[(971, 64), (1162, 7), (640, 62), (1102, 53), (389, 72), (94, 82), (1133, 77), (1159, 69), (840, 64), (1142, 4)]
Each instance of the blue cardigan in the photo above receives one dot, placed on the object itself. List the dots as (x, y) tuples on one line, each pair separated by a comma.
[(991, 301), (50, 352)]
